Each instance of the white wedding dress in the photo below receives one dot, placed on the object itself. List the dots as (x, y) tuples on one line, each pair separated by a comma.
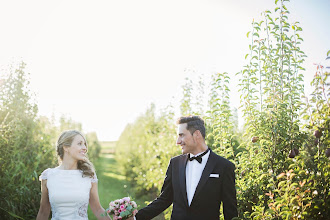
[(68, 193)]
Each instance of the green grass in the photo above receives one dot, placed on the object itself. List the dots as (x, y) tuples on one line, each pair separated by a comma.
[(112, 184)]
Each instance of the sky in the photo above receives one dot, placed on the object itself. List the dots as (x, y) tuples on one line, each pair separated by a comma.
[(102, 63)]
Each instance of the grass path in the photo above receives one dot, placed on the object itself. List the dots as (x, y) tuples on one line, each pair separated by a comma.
[(112, 184)]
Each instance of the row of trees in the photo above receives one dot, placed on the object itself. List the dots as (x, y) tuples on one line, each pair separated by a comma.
[(27, 146), (281, 153)]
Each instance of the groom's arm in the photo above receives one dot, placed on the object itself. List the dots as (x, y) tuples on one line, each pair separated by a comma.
[(162, 202), (229, 193)]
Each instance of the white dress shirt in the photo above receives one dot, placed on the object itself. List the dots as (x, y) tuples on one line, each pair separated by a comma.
[(194, 172)]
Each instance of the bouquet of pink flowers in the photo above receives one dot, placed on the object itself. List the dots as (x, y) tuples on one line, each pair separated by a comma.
[(122, 208)]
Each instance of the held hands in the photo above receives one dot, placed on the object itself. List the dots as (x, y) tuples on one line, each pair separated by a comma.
[(129, 218), (133, 217)]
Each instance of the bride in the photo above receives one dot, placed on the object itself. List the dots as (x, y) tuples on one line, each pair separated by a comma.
[(67, 190)]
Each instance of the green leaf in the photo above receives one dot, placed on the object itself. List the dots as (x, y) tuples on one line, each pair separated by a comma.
[(247, 34), (126, 213), (281, 184), (254, 57), (306, 117), (263, 175)]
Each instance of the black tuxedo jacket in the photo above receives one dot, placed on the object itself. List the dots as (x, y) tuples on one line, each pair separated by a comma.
[(209, 194)]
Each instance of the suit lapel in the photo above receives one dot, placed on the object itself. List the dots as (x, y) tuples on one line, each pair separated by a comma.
[(205, 175), (182, 176)]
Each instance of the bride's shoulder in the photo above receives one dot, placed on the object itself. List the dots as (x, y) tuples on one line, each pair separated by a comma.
[(46, 173), (94, 178)]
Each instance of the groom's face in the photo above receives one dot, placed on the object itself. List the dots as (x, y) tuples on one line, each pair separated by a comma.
[(186, 140)]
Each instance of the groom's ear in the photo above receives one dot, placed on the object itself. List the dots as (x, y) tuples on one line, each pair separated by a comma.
[(197, 134)]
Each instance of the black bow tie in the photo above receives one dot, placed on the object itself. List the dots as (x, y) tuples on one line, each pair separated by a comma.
[(198, 158)]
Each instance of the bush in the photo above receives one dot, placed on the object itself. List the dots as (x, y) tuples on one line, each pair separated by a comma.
[(25, 151)]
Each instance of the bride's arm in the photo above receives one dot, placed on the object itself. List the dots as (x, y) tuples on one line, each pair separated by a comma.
[(44, 209), (94, 203)]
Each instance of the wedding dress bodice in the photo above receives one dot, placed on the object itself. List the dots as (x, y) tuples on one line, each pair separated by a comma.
[(68, 193)]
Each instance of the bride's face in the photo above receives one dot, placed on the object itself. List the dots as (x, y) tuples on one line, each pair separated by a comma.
[(78, 148)]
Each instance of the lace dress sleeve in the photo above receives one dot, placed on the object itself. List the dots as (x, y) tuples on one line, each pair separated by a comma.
[(44, 174), (94, 179)]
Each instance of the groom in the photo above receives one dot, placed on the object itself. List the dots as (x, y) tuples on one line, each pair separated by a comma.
[(197, 181)]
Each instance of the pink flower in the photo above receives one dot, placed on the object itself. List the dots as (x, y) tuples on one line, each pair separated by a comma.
[(126, 199), (134, 204), (122, 207)]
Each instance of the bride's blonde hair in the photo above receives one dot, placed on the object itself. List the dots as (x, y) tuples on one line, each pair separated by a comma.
[(66, 139)]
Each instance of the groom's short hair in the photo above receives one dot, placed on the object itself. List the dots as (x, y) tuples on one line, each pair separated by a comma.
[(193, 123)]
